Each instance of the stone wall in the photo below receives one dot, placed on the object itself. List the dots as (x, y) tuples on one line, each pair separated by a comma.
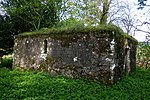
[(101, 57)]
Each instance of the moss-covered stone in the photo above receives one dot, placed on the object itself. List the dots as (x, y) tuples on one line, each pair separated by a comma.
[(103, 53), (103, 30)]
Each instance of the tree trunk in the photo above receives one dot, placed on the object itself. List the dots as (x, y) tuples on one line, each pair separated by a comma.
[(106, 5)]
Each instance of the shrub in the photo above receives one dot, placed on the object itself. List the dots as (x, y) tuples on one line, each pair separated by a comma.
[(143, 55), (7, 62)]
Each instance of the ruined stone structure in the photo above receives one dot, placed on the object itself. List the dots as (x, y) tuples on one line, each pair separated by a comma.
[(99, 54)]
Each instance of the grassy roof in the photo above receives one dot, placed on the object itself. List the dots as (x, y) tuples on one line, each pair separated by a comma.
[(103, 29)]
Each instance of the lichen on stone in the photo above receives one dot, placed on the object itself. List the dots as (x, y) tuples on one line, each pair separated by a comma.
[(97, 53)]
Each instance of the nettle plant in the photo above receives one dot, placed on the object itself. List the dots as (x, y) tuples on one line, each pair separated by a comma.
[(143, 55)]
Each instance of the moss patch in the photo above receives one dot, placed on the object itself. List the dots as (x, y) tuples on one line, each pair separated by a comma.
[(109, 30)]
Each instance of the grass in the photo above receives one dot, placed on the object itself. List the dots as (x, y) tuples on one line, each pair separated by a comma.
[(27, 85), (78, 30), (41, 86), (73, 29)]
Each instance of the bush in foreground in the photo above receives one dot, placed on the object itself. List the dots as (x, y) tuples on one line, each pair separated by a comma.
[(40, 86), (7, 62)]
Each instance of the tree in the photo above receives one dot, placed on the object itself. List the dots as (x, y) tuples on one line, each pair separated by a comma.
[(26, 15), (106, 7), (35, 14), (142, 2), (6, 38), (145, 23), (70, 22), (92, 12), (121, 14)]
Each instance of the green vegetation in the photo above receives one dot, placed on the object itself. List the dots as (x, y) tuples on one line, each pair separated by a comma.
[(73, 29), (41, 86), (6, 62), (143, 55), (18, 16), (79, 29), (27, 85)]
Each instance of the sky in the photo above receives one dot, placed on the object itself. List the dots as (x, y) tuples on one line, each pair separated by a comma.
[(141, 15)]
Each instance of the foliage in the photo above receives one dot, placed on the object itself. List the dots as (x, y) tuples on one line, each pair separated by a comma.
[(143, 55), (71, 28), (92, 12), (35, 85), (79, 29), (6, 38), (142, 2), (70, 22), (33, 14), (6, 62), (26, 15)]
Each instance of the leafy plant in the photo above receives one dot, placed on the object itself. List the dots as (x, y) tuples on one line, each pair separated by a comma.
[(6, 62), (41, 86), (143, 55)]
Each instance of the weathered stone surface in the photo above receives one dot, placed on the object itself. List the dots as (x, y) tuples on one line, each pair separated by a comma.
[(98, 57)]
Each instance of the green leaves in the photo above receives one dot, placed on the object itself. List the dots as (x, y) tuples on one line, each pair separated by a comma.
[(92, 12), (143, 55), (26, 15), (36, 85), (36, 13)]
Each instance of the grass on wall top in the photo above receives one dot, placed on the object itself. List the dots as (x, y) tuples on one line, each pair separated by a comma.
[(112, 30), (71, 30)]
